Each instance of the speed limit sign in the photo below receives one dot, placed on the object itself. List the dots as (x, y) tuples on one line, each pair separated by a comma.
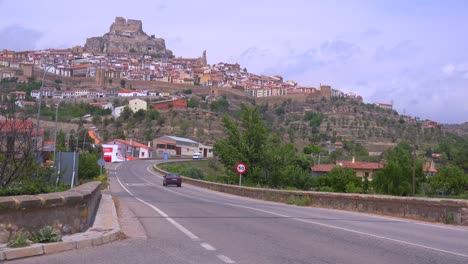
[(241, 168)]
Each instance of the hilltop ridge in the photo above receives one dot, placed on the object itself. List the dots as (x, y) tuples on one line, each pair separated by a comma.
[(124, 36)]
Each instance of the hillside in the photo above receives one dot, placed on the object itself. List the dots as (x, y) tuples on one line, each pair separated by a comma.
[(302, 123)]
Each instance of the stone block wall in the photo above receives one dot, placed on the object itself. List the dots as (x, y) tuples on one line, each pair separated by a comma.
[(70, 212), (451, 211)]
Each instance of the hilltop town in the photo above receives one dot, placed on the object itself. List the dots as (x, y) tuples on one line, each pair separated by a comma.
[(126, 53)]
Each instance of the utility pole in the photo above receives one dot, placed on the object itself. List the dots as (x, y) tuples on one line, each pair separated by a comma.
[(414, 171)]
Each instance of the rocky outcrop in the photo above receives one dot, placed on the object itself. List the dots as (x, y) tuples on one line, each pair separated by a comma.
[(127, 36)]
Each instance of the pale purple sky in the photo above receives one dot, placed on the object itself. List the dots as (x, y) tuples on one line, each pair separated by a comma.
[(409, 52)]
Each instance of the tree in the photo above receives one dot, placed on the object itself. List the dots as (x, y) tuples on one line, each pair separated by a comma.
[(87, 165), (122, 83), (313, 149), (269, 161), (396, 176), (17, 147), (339, 179), (126, 113), (450, 180), (245, 142)]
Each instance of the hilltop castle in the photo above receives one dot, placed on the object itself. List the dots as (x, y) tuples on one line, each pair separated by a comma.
[(127, 36)]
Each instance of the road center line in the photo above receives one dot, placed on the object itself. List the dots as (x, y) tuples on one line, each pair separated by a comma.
[(325, 225), (225, 259), (160, 212), (207, 246)]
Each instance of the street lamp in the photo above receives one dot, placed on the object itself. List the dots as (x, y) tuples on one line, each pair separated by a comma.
[(414, 169), (39, 109), (55, 136)]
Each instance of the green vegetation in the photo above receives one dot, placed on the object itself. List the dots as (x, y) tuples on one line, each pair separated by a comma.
[(210, 170), (315, 119), (30, 184), (47, 234), (87, 166), (21, 239), (449, 180), (269, 161), (338, 180), (221, 105), (69, 111), (396, 176), (299, 200)]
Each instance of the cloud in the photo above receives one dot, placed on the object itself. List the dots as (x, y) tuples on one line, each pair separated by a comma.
[(339, 50), (402, 50), (448, 69), (329, 53), (16, 37), (455, 69), (370, 33)]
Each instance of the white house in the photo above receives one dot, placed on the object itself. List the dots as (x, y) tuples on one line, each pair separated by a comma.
[(137, 104), (117, 111)]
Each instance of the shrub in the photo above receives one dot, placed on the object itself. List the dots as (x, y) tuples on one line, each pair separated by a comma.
[(47, 234), (193, 172), (299, 200), (20, 240)]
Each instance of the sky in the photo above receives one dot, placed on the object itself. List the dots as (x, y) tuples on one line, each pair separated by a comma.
[(412, 54)]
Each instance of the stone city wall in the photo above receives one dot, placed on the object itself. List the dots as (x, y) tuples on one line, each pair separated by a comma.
[(70, 212)]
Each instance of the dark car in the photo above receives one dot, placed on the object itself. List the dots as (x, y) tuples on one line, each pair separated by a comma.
[(172, 178)]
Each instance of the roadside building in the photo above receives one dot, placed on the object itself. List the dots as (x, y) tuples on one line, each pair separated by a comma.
[(362, 169), (137, 104), (126, 149), (179, 103), (182, 147)]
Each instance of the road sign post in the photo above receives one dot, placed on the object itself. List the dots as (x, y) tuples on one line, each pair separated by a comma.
[(166, 157), (101, 162), (241, 168)]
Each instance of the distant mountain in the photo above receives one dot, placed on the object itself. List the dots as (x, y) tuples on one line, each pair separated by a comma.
[(127, 36)]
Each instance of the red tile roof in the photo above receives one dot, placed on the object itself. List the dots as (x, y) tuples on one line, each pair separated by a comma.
[(323, 167), (360, 165)]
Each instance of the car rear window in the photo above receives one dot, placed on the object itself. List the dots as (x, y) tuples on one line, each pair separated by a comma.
[(172, 175)]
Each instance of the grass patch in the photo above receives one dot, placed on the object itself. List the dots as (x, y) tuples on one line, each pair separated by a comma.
[(20, 240), (299, 200), (450, 218)]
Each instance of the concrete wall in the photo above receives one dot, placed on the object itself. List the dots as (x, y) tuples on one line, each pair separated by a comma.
[(70, 212), (427, 209)]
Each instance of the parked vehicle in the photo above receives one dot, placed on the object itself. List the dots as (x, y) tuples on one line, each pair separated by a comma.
[(172, 179), (197, 155)]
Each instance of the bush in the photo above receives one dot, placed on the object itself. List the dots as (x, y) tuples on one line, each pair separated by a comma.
[(193, 172), (47, 234), (299, 200), (103, 179), (87, 165), (20, 240)]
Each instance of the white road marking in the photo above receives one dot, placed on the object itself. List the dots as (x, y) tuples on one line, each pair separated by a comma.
[(123, 185), (207, 246), (355, 231), (395, 219), (160, 212), (225, 259), (326, 225)]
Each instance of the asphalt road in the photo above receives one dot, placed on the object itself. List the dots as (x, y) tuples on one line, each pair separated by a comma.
[(194, 225)]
